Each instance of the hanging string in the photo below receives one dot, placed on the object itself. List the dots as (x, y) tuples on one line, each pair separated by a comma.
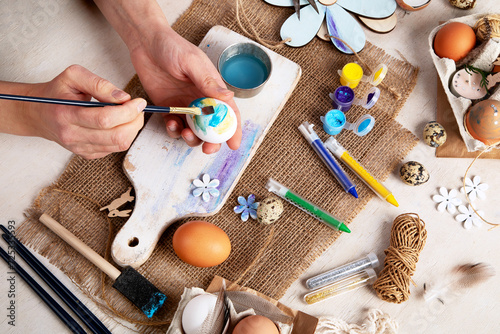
[(487, 149)]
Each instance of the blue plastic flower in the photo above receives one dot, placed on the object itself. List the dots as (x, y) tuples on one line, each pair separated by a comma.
[(248, 207), (206, 188)]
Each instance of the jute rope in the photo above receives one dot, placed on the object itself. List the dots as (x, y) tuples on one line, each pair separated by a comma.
[(408, 236), (488, 27)]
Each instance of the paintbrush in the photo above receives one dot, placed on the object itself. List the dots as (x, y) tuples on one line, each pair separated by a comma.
[(92, 104), (129, 282)]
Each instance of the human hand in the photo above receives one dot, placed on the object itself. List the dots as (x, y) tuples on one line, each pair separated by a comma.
[(88, 132), (174, 72)]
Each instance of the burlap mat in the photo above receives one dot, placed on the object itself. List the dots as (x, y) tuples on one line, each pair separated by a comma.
[(283, 155)]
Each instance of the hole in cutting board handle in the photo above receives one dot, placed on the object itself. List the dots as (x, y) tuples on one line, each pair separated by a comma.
[(133, 242)]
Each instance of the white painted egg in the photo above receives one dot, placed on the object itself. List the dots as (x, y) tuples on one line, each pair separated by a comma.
[(215, 128), (196, 311)]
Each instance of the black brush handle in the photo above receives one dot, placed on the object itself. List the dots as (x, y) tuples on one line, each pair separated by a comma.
[(77, 103), (90, 320), (54, 306)]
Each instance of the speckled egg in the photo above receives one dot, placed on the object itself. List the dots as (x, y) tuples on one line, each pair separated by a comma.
[(434, 134), (215, 128), (269, 210), (414, 173)]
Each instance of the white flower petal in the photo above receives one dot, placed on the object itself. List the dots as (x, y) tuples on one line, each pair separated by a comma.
[(472, 196), (461, 217), (451, 208), (476, 180), (467, 224), (483, 186), (197, 192), (206, 196), (214, 192), (456, 201), (468, 182), (443, 192), (206, 179), (197, 183), (453, 193), (480, 194), (442, 206), (468, 189), (477, 222), (213, 184), (463, 209), (438, 198)]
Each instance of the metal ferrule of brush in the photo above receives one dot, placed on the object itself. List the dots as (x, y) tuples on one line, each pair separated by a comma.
[(185, 110)]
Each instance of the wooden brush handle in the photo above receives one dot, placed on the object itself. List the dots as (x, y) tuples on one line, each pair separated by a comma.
[(79, 246)]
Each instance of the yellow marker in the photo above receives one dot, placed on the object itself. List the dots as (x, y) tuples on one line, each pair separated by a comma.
[(333, 145)]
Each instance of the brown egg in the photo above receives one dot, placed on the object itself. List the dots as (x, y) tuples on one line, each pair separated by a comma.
[(255, 324), (201, 244), (454, 40), (482, 121)]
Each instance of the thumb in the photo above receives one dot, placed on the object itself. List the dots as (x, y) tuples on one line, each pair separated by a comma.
[(82, 80)]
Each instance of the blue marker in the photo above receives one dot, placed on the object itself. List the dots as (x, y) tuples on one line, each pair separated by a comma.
[(328, 159)]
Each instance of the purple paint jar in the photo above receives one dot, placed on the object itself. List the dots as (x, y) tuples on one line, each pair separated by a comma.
[(342, 98)]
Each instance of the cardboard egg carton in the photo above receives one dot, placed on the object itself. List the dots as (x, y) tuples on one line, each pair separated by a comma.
[(482, 57)]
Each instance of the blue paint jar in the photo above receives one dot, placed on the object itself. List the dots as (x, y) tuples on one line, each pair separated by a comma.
[(333, 122), (342, 98)]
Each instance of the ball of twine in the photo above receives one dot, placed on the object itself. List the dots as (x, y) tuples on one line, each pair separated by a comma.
[(408, 236), (488, 27)]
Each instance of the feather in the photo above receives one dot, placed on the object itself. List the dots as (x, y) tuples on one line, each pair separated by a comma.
[(463, 278), (244, 300), (218, 321)]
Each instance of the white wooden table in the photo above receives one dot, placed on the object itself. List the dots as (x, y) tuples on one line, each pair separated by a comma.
[(40, 40)]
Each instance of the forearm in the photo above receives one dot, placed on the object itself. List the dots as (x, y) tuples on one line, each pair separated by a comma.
[(135, 21), (18, 118)]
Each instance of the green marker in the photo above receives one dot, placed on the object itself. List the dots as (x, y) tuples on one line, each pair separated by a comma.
[(305, 206)]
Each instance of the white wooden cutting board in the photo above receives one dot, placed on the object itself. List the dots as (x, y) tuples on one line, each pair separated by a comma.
[(162, 169)]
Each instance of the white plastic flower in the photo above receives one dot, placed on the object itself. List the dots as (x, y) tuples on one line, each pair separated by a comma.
[(468, 217), (447, 200), (474, 188), (206, 188)]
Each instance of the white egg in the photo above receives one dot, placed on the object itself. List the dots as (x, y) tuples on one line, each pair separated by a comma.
[(214, 128), (196, 311)]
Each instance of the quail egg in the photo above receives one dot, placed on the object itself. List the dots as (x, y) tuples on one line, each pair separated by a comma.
[(434, 134), (269, 210), (414, 173)]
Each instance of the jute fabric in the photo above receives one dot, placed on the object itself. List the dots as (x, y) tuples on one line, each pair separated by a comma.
[(85, 186)]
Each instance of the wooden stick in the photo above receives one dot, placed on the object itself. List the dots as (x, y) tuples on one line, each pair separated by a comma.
[(82, 248)]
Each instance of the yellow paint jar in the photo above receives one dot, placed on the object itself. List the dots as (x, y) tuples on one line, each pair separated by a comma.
[(351, 75)]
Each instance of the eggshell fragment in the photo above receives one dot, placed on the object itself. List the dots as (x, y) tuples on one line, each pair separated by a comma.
[(482, 121), (215, 128), (454, 41), (463, 4), (414, 173), (201, 244), (434, 134)]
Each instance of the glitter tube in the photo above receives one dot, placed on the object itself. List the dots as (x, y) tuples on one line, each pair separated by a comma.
[(365, 277), (336, 274)]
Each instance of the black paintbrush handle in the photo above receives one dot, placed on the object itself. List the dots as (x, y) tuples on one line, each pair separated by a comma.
[(92, 322), (54, 306), (77, 103)]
